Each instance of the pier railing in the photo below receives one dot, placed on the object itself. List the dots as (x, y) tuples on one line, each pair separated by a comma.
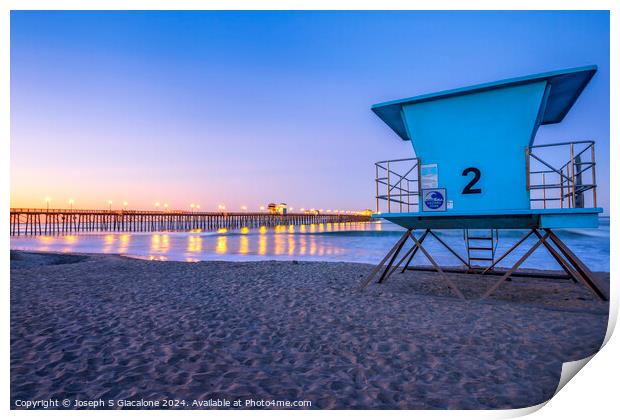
[(29, 221), (562, 175), (397, 184)]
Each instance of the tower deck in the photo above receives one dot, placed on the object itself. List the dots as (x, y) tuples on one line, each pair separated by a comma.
[(507, 219)]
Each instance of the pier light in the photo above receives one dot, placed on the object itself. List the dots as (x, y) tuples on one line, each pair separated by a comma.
[(328, 211), (302, 209), (221, 207), (291, 209), (71, 202), (192, 206), (262, 208), (110, 204), (321, 210), (166, 206), (47, 202), (244, 208), (125, 204), (197, 206), (157, 204)]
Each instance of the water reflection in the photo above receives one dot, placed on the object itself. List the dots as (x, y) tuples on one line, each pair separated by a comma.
[(281, 240), (279, 244), (262, 243), (194, 243), (124, 243), (244, 245), (322, 241), (108, 242), (221, 246), (291, 245), (155, 240)]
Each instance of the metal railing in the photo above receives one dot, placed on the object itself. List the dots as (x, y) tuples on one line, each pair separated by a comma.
[(397, 185), (559, 175), (556, 182)]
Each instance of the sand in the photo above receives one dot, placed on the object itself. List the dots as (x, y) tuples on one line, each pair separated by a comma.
[(107, 327)]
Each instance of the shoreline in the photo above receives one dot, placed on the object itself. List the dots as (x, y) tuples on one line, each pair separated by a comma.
[(270, 258), (91, 326)]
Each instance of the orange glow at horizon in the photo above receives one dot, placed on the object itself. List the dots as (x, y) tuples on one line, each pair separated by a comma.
[(135, 198)]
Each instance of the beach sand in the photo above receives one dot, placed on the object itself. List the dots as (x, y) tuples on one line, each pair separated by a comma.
[(92, 326)]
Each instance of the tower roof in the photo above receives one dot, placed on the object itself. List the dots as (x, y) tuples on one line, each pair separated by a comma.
[(563, 89)]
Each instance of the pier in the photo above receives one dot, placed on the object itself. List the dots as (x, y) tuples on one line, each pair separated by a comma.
[(32, 222)]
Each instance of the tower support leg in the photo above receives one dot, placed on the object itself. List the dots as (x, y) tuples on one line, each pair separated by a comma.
[(411, 253), (560, 260), (393, 253), (514, 267), (453, 252), (588, 278), (505, 254), (438, 268)]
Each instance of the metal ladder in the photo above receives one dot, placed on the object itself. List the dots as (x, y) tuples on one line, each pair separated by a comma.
[(481, 245)]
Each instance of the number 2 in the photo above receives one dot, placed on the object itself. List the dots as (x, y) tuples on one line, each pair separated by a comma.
[(468, 188)]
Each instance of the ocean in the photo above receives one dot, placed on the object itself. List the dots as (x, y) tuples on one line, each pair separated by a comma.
[(345, 242)]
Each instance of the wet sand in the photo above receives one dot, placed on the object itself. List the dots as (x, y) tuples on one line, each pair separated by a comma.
[(91, 327)]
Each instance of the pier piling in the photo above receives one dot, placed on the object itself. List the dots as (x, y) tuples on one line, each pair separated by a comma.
[(31, 222)]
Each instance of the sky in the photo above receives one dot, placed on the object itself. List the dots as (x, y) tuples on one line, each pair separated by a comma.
[(246, 108)]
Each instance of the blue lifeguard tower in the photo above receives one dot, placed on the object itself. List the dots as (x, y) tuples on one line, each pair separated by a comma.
[(476, 168)]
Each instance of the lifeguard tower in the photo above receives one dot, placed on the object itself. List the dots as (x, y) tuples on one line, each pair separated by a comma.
[(476, 168)]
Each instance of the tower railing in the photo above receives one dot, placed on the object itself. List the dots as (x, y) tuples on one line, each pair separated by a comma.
[(561, 175), (397, 184)]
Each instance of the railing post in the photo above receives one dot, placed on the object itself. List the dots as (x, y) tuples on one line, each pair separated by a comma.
[(593, 177), (377, 186), (400, 195), (419, 163), (527, 168), (544, 192), (579, 199), (561, 188), (408, 197), (572, 165), (389, 201)]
